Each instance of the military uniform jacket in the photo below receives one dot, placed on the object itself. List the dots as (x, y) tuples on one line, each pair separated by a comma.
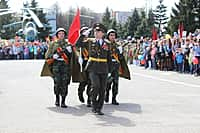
[(99, 56), (118, 62), (116, 57), (46, 70), (77, 75)]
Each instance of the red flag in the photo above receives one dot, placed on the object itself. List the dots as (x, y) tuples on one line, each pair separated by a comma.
[(74, 30), (180, 27), (154, 34)]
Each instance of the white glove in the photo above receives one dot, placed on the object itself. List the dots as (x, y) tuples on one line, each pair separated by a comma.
[(109, 74), (55, 56), (87, 32), (69, 49), (120, 49), (80, 60)]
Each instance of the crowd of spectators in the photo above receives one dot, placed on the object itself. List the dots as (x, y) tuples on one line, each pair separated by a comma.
[(11, 50), (167, 53)]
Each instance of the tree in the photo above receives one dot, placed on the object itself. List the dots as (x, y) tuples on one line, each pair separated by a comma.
[(143, 29), (113, 24), (160, 17), (150, 19), (186, 12), (8, 32), (133, 22), (106, 20)]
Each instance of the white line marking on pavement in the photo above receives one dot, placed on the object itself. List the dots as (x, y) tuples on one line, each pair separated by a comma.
[(166, 80)]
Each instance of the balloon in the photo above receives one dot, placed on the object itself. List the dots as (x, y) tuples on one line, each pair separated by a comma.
[(167, 36), (140, 57), (195, 60)]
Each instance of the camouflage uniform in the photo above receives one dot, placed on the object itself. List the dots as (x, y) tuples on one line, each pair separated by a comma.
[(60, 69)]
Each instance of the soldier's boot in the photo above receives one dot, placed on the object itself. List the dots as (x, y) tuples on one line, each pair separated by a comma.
[(57, 103), (63, 105), (107, 97), (81, 98), (89, 102), (114, 101), (99, 112)]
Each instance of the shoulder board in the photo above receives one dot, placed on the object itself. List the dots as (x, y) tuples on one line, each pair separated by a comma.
[(89, 40)]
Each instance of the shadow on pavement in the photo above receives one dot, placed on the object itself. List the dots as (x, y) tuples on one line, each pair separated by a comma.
[(79, 110), (126, 107), (112, 120), (108, 119)]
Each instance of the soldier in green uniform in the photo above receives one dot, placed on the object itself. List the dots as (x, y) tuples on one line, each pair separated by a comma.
[(58, 59), (82, 59), (98, 66), (113, 77)]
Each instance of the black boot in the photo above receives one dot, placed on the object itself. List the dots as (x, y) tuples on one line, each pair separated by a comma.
[(98, 111), (107, 97), (114, 101), (81, 98), (89, 102), (63, 105), (57, 103)]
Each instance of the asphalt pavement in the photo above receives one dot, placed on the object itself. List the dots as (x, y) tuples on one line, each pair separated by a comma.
[(151, 102)]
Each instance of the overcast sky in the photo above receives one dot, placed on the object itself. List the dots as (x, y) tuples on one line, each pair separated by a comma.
[(97, 5)]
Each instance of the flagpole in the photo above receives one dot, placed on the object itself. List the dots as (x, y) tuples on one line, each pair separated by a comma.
[(80, 56)]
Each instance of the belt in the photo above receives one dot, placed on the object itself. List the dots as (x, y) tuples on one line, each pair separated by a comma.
[(97, 59), (113, 60), (60, 59)]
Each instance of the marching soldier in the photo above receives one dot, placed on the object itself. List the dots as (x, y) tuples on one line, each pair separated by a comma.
[(98, 67), (118, 67), (58, 65), (113, 77), (82, 59)]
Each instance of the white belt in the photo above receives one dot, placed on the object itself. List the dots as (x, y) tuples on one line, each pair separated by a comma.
[(60, 59), (113, 60)]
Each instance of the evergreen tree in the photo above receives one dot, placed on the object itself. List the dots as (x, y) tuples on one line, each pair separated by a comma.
[(160, 16), (34, 5), (143, 29), (133, 22), (106, 20), (186, 12), (43, 32), (113, 24), (6, 33), (150, 19), (196, 11)]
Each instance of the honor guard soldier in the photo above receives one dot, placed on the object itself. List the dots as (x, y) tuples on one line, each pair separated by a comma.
[(113, 77), (58, 59), (98, 67), (82, 59)]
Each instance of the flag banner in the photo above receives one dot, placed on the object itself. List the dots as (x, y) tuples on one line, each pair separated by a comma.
[(74, 30)]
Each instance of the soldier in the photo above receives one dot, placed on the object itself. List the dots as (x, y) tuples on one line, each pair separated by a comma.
[(98, 67), (58, 59), (113, 77), (82, 59)]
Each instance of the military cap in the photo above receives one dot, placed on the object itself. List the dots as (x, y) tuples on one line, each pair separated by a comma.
[(111, 31), (83, 28), (60, 29), (100, 27)]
